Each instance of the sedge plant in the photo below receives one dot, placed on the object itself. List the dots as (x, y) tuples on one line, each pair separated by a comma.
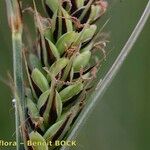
[(52, 78), (50, 87)]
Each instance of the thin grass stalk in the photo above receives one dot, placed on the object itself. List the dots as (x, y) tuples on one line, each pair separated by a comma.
[(14, 16), (104, 84), (16, 41)]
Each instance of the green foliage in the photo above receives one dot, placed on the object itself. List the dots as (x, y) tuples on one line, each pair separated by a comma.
[(59, 67)]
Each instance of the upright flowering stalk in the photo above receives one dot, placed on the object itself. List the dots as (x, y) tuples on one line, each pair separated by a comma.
[(59, 68)]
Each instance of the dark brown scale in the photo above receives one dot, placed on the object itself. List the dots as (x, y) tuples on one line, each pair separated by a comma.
[(27, 137), (37, 90), (85, 2), (86, 43), (90, 69), (77, 75), (78, 13), (51, 58), (64, 28), (43, 108), (31, 123), (49, 11), (55, 34), (66, 3), (33, 127), (74, 6), (86, 17), (40, 131), (72, 101), (30, 69), (61, 129), (53, 112), (41, 52)]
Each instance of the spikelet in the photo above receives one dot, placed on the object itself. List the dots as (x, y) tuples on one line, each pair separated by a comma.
[(60, 67)]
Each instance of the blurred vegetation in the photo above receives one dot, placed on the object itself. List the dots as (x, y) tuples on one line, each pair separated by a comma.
[(121, 121)]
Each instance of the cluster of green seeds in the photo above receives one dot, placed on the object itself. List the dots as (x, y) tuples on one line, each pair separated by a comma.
[(59, 66)]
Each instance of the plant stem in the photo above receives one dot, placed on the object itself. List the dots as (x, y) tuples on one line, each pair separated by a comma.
[(15, 21), (16, 123), (104, 84), (18, 83)]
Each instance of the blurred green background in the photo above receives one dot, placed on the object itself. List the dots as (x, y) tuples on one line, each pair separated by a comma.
[(121, 121)]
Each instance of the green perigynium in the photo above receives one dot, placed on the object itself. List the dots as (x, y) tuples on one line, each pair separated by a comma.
[(59, 67)]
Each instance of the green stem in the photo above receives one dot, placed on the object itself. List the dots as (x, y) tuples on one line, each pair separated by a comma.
[(19, 86), (15, 22), (18, 83), (16, 123), (17, 66)]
